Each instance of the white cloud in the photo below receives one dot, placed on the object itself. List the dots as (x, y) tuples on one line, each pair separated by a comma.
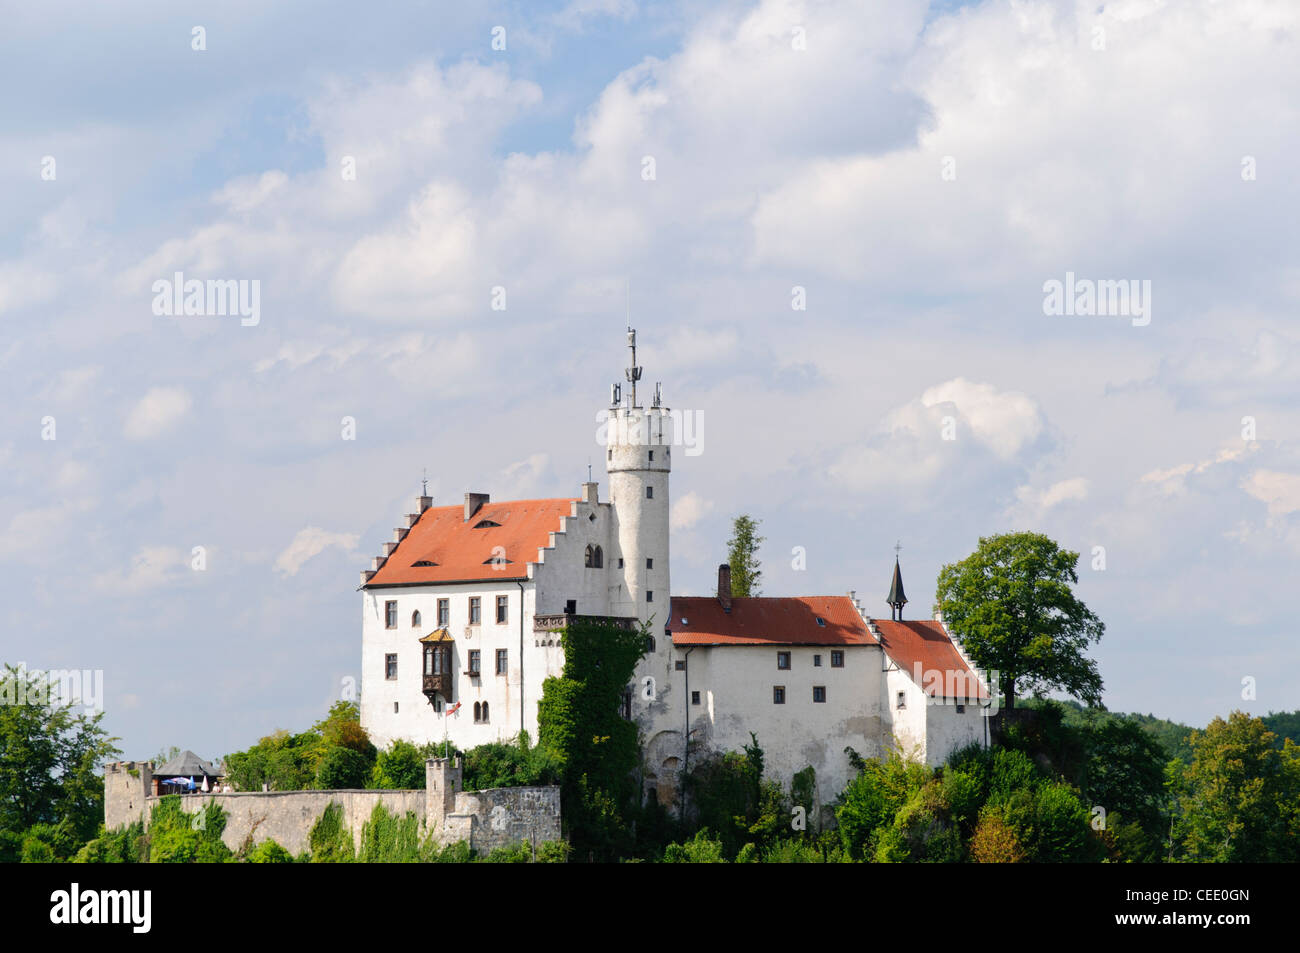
[(1280, 491), (247, 193), (311, 542), (1032, 503), (942, 430), (688, 510), (1172, 480), (1003, 420), (157, 412), (151, 568)]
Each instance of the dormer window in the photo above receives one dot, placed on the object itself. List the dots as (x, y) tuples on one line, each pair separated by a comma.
[(496, 561), (821, 622), (486, 524), (424, 563)]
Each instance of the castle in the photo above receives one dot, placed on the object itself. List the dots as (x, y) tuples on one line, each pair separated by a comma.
[(459, 616)]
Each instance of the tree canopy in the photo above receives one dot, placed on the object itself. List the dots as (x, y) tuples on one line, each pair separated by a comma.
[(1012, 604), (742, 556), (50, 785)]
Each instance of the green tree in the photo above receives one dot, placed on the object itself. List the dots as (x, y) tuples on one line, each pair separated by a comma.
[(742, 556), (1012, 604), (870, 802), (1239, 796), (399, 768), (49, 761)]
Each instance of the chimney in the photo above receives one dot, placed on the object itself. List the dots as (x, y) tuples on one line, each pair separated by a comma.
[(422, 503), (473, 502), (724, 587), (589, 493)]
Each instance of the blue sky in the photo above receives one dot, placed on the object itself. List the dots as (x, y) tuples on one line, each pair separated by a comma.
[(921, 171)]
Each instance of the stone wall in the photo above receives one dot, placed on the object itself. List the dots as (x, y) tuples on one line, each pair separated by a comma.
[(501, 817)]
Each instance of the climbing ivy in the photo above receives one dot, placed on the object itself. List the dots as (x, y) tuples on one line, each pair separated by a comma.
[(582, 727)]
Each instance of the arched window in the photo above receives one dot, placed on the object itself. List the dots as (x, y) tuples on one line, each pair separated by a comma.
[(415, 618), (485, 711), (595, 558), (477, 712)]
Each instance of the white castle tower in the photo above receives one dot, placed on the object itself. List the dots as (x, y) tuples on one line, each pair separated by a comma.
[(638, 458)]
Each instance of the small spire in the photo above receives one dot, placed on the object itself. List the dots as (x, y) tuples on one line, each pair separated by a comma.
[(424, 483), (896, 598)]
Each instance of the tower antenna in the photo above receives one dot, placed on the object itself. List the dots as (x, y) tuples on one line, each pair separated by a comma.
[(633, 372)]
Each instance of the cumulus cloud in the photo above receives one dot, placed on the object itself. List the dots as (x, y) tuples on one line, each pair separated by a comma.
[(689, 509), (151, 567), (309, 543), (950, 425), (1279, 491), (1033, 502), (1003, 420), (157, 412)]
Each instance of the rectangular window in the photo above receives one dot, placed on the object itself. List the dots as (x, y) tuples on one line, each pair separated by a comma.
[(961, 709), (783, 661), (503, 666), (837, 660), (620, 564), (437, 703), (819, 693), (474, 661), (901, 701), (390, 614), (394, 708), (680, 665), (817, 661), (649, 563), (652, 454), (649, 493), (503, 609), (444, 613), (649, 595), (778, 694), (695, 698), (390, 666), (475, 610)]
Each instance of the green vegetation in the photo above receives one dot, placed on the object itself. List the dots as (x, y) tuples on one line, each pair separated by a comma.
[(1012, 604), (742, 556), (594, 747), (388, 839), (336, 752), (51, 791), (1239, 798)]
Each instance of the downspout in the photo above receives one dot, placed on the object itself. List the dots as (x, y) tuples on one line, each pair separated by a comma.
[(520, 584), (686, 747)]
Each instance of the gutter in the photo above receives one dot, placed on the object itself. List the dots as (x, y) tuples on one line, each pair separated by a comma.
[(686, 746), (521, 658)]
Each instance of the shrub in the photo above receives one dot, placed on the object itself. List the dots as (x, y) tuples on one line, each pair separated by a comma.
[(699, 850), (269, 852), (330, 840)]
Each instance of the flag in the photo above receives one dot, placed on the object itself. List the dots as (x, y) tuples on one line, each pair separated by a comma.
[(454, 708)]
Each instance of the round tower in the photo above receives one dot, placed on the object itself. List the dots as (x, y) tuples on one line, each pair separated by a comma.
[(638, 458)]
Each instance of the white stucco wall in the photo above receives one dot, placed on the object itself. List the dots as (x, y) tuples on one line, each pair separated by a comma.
[(415, 720), (735, 685)]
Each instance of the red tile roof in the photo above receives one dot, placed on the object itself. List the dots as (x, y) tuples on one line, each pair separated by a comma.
[(761, 620), (462, 553), (926, 643)]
